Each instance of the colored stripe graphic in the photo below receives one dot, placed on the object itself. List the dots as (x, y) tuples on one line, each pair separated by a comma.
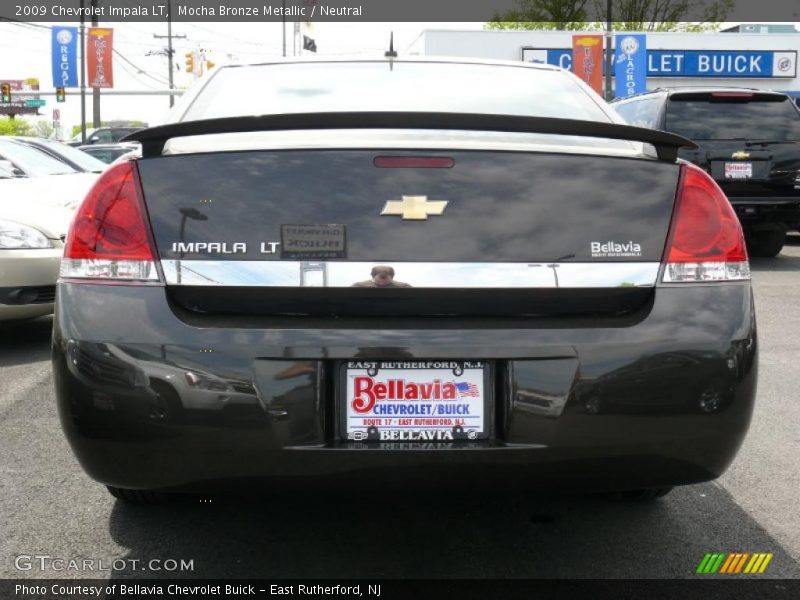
[(741, 562), (728, 563), (766, 562), (711, 562), (735, 559), (754, 563), (703, 563), (734, 563), (718, 564), (758, 563)]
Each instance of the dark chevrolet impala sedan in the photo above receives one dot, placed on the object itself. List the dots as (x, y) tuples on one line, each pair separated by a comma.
[(403, 272)]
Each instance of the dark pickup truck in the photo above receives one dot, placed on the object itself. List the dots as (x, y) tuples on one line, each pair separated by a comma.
[(748, 140)]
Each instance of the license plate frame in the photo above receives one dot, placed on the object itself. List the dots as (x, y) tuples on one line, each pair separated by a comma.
[(738, 171), (382, 417)]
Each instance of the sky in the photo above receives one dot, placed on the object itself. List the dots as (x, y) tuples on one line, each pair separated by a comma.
[(25, 48)]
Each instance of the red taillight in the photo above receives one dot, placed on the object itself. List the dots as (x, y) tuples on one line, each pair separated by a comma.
[(109, 236), (706, 242), (413, 162)]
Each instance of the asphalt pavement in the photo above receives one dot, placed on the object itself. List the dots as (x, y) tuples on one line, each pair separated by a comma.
[(48, 506)]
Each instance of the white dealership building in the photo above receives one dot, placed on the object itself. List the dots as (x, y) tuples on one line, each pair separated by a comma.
[(757, 60)]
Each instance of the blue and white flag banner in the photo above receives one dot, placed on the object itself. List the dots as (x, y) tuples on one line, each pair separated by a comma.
[(65, 56), (630, 64)]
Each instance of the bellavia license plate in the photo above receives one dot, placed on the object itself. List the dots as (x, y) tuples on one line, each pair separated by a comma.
[(435, 400), (738, 170)]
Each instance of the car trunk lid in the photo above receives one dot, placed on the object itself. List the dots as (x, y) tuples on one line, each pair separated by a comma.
[(299, 231)]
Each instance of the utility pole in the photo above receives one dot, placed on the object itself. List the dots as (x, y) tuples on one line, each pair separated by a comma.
[(170, 51), (609, 51), (95, 90), (83, 78)]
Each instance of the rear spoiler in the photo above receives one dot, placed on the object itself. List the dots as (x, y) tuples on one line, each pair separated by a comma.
[(666, 144)]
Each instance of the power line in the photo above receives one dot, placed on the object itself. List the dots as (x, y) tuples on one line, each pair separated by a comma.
[(23, 23), (139, 69), (216, 33), (136, 77)]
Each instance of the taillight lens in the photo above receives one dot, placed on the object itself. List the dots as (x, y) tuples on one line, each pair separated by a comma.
[(706, 242), (109, 237)]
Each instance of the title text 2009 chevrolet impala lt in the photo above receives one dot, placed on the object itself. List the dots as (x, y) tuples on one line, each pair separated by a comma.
[(403, 271)]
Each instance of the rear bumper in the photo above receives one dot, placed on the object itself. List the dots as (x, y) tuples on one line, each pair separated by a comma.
[(767, 209), (27, 281), (663, 399)]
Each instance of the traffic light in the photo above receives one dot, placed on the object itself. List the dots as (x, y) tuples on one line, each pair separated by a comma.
[(61, 95), (189, 62), (5, 88)]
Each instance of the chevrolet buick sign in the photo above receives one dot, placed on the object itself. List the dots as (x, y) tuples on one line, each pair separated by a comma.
[(748, 64)]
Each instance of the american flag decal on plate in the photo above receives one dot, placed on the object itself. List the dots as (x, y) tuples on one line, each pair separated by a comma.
[(468, 389)]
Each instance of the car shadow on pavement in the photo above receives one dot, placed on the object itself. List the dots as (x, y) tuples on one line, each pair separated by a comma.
[(497, 536), (27, 341), (782, 262), (786, 261)]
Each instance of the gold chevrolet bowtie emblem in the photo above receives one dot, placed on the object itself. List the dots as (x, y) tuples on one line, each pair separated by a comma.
[(740, 154), (414, 207)]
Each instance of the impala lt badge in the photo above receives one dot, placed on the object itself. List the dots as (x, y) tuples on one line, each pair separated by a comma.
[(414, 208)]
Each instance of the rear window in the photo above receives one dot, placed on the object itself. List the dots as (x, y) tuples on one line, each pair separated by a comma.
[(403, 86), (748, 117)]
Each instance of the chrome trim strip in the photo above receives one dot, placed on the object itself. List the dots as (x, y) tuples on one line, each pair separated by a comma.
[(341, 274), (401, 140)]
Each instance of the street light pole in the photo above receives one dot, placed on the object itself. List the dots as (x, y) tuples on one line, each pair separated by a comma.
[(170, 51), (83, 78), (609, 51), (95, 90), (283, 25)]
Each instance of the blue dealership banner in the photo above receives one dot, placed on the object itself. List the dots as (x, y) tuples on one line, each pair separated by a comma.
[(65, 57), (630, 65), (722, 63), (745, 64)]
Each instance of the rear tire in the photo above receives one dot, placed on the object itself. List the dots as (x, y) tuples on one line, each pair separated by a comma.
[(765, 243), (646, 494), (166, 406), (141, 497)]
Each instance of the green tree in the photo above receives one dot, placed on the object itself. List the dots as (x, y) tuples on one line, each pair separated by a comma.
[(629, 15), (14, 126), (43, 129)]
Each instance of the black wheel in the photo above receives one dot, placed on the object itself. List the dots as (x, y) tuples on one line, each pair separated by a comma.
[(138, 496), (166, 405), (765, 244), (593, 405), (711, 399), (646, 494)]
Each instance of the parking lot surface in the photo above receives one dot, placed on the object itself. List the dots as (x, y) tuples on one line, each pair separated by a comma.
[(48, 506)]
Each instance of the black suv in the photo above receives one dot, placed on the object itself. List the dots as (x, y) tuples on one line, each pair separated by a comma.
[(749, 141)]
